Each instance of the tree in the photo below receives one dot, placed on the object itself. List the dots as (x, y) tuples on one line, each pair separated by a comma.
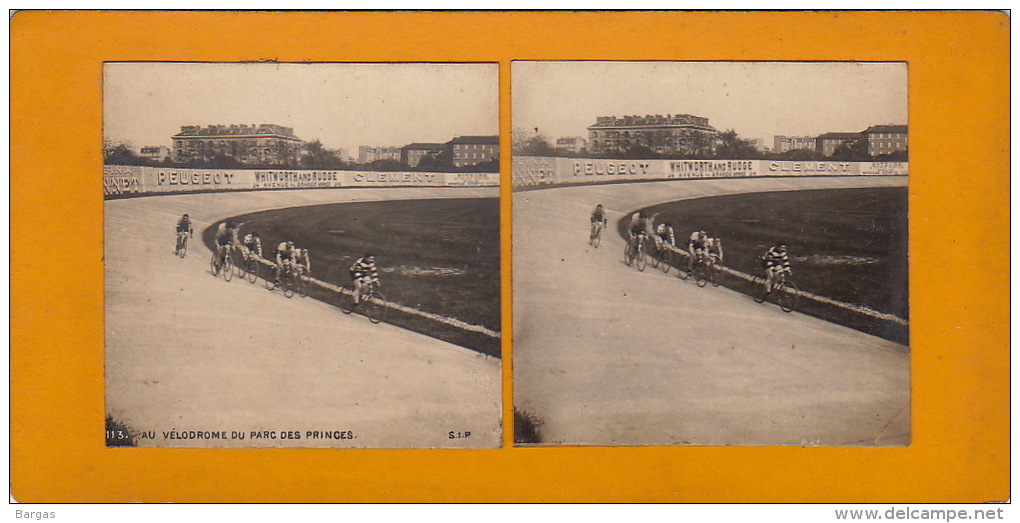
[(442, 161), (731, 146), (639, 152), (387, 165), (120, 153), (316, 156), (123, 155), (798, 155), (895, 156), (526, 143), (855, 151)]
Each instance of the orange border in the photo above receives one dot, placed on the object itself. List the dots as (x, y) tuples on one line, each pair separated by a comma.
[(959, 205)]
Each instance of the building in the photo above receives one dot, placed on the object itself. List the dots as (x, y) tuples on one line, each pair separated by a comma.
[(670, 134), (156, 153), (369, 154), (254, 144), (412, 154), (826, 144), (573, 144), (758, 144), (471, 150), (782, 144), (884, 139)]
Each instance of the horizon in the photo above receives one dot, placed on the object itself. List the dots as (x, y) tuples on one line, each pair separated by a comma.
[(758, 100), (344, 106)]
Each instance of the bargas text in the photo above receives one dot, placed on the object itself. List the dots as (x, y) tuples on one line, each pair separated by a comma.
[(26, 514)]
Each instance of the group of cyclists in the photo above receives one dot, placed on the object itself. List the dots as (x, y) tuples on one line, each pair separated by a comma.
[(700, 246), (288, 257)]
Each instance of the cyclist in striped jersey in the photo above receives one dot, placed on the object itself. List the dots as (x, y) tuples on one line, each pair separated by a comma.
[(775, 260), (362, 272)]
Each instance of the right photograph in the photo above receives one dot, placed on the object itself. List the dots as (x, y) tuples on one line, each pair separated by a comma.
[(710, 253)]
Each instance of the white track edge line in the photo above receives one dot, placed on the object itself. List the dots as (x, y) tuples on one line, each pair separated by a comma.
[(822, 299), (453, 322)]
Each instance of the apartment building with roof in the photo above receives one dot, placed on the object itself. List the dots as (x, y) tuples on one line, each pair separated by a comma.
[(669, 134), (884, 139), (471, 150), (254, 144)]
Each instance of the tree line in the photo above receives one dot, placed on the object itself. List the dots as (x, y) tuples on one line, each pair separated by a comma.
[(312, 155), (728, 146)]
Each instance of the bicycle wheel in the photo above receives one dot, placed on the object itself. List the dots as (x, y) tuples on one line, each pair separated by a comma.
[(347, 298), (182, 246), (301, 283), (374, 306), (287, 282), (240, 267), (681, 267), (214, 266), (253, 269), (700, 272), (667, 260), (713, 273), (228, 267), (628, 254), (597, 239), (656, 252), (270, 278), (787, 295), (641, 257), (758, 288)]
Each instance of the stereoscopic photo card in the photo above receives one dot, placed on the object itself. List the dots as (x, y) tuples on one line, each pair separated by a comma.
[(683, 257)]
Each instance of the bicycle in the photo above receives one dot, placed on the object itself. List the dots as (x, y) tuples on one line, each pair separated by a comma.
[(595, 237), (252, 267), (372, 303), (300, 282), (663, 257), (634, 252), (287, 281), (182, 244), (701, 269), (784, 290), (713, 272), (222, 263)]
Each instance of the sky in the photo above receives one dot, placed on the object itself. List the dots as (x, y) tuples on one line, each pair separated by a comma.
[(756, 99), (341, 105)]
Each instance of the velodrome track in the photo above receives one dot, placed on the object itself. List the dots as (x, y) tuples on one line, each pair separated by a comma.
[(186, 351), (606, 355)]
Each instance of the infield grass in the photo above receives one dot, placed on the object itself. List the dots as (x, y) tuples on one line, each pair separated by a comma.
[(846, 244), (436, 255)]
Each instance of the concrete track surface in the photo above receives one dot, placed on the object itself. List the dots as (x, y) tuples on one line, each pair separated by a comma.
[(606, 355), (186, 351)]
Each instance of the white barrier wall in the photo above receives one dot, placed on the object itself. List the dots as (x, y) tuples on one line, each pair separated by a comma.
[(121, 180), (537, 170)]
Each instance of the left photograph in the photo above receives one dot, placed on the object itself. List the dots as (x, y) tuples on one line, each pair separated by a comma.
[(301, 255)]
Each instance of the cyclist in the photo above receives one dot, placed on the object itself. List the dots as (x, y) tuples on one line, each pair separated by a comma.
[(695, 247), (774, 261), (639, 225), (251, 245), (598, 221), (713, 247), (302, 261), (183, 229), (284, 257), (362, 272), (226, 236), (664, 234)]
